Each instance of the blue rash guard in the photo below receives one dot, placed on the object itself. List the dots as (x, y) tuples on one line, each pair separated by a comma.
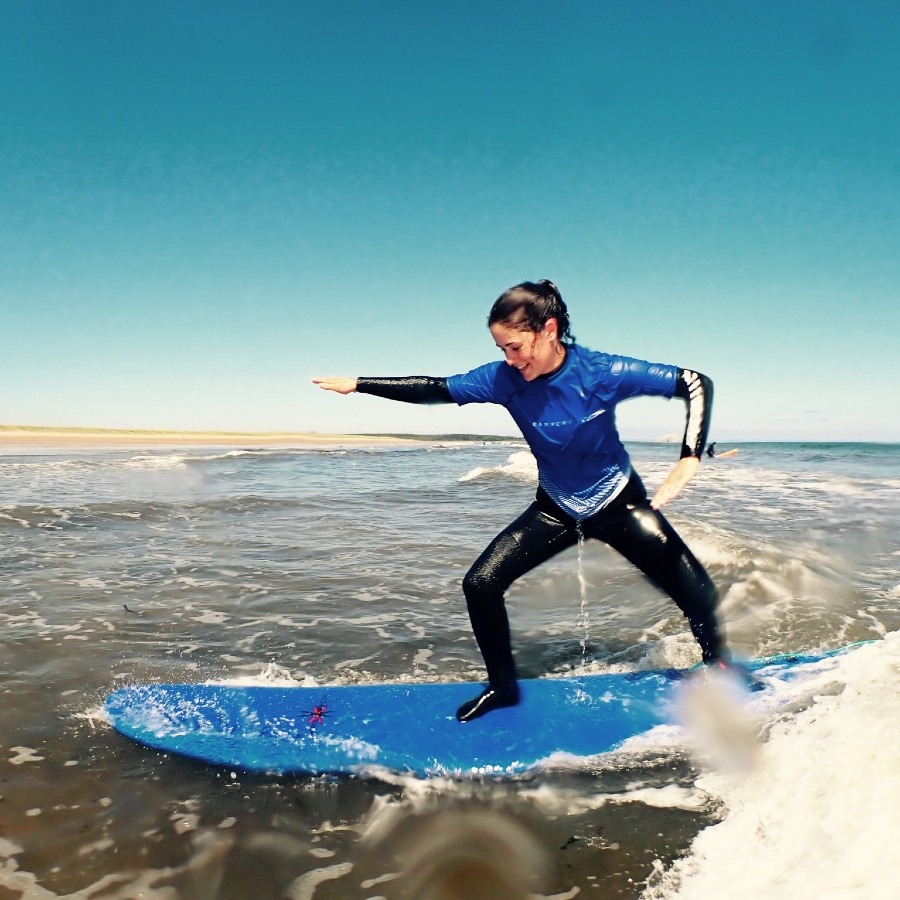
[(568, 418)]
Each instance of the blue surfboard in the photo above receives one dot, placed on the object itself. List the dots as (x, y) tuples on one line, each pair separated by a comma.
[(406, 727)]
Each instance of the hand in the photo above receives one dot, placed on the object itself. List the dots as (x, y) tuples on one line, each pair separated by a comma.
[(338, 385), (683, 471)]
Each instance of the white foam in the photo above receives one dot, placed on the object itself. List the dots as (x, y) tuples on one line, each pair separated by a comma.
[(271, 675), (304, 887), (819, 816), (92, 716), (8, 848), (520, 465), (163, 461), (554, 801), (24, 755), (156, 463), (207, 859)]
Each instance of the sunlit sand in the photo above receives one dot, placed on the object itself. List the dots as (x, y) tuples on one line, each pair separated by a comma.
[(30, 436)]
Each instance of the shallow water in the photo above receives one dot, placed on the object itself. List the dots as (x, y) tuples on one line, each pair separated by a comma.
[(343, 566)]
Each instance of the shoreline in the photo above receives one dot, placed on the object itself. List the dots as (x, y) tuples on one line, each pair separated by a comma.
[(12, 436), (31, 436)]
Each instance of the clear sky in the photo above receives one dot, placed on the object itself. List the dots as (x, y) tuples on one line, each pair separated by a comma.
[(204, 204)]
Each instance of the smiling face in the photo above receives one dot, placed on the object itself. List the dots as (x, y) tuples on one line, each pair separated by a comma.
[(532, 353)]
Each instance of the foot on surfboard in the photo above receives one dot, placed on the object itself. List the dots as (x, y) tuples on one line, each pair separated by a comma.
[(741, 673), (491, 698)]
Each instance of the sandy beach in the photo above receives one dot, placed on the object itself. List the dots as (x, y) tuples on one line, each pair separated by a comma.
[(12, 436)]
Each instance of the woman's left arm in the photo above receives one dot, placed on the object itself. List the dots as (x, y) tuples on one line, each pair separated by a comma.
[(697, 392)]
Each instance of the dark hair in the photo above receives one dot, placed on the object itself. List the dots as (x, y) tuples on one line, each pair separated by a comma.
[(529, 305)]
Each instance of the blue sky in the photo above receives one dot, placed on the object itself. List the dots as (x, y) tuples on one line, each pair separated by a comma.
[(204, 204)]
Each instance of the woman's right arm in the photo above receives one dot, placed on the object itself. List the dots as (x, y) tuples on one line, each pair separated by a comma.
[(410, 389)]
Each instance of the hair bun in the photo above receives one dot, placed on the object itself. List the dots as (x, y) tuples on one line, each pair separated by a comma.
[(549, 284), (529, 305)]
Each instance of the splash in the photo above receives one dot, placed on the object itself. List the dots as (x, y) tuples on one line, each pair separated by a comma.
[(820, 813), (520, 466)]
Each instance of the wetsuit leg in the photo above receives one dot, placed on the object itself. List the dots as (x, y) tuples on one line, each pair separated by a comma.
[(646, 539), (533, 538)]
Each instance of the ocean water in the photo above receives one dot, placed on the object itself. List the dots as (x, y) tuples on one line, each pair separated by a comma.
[(343, 565)]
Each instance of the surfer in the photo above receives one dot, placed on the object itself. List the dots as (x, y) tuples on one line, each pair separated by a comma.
[(563, 397), (711, 452)]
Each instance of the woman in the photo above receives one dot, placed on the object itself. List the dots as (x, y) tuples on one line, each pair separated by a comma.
[(563, 398)]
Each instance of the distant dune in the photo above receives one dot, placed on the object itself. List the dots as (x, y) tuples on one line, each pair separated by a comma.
[(36, 435)]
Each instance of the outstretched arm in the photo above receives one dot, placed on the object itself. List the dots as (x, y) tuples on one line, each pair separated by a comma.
[(697, 392), (410, 389)]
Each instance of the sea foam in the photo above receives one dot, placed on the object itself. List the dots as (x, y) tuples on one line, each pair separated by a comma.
[(819, 815), (520, 465)]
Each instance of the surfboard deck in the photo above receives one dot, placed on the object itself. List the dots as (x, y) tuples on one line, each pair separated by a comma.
[(406, 727)]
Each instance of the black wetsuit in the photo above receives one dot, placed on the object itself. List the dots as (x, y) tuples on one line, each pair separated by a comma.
[(627, 523)]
